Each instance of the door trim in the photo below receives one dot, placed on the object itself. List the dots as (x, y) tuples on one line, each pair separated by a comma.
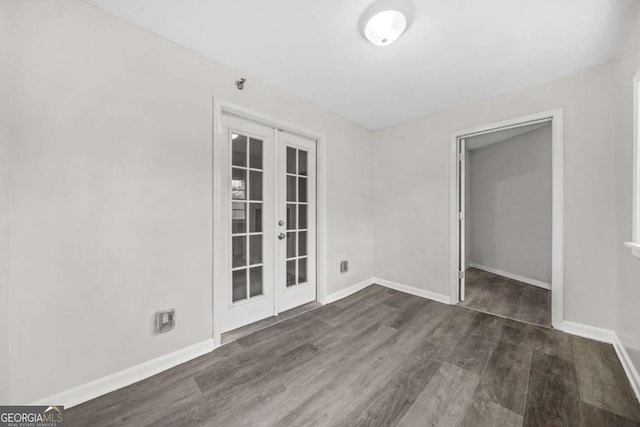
[(219, 230), (460, 215), (556, 117)]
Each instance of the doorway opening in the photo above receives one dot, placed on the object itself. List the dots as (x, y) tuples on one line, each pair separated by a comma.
[(507, 219), (265, 231)]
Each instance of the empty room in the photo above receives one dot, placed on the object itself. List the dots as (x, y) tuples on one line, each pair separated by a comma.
[(338, 213)]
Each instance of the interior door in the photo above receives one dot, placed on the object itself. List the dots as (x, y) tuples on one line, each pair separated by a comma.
[(296, 252), (461, 218), (269, 217), (249, 289)]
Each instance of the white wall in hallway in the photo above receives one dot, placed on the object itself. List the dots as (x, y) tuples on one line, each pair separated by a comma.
[(111, 193), (510, 192), (411, 187)]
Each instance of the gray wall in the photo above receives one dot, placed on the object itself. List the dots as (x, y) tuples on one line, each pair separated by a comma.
[(5, 107), (626, 282), (511, 192), (111, 185), (411, 162)]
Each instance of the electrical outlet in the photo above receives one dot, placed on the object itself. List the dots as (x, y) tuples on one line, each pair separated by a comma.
[(344, 266), (165, 320)]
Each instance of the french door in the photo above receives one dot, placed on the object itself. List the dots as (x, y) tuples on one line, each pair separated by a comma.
[(270, 201), (296, 205)]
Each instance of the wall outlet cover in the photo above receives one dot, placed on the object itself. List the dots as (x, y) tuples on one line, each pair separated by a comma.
[(344, 266), (165, 320)]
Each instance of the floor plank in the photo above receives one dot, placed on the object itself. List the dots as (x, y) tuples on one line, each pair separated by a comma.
[(553, 398), (596, 417), (602, 381), (502, 296), (486, 413), (506, 377), (545, 340), (392, 399), (265, 323), (445, 400)]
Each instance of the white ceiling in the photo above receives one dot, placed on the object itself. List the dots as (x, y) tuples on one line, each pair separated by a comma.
[(486, 139), (454, 51)]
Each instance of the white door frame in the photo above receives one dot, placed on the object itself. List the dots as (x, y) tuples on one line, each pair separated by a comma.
[(461, 176), (555, 116), (220, 232)]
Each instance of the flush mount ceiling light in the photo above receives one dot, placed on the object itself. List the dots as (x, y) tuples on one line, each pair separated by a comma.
[(385, 27), (384, 21)]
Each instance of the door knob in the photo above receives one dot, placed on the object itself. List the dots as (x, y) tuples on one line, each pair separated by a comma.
[(282, 236)]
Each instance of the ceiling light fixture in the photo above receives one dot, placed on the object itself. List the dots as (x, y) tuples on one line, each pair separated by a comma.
[(384, 21), (385, 27)]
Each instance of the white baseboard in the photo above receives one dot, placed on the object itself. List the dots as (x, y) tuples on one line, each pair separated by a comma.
[(387, 284), (348, 291), (610, 337), (587, 331), (115, 381), (627, 364), (527, 280), (413, 291)]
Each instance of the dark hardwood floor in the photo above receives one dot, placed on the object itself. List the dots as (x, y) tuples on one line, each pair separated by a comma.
[(383, 358), (506, 297)]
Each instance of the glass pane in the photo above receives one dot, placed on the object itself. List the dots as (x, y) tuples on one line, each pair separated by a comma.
[(291, 216), (302, 243), (302, 190), (255, 281), (302, 162), (255, 153), (291, 272), (239, 251), (302, 270), (302, 217), (238, 217), (291, 160), (239, 291), (255, 185), (239, 184), (255, 217), (239, 156), (291, 188), (291, 245), (255, 249)]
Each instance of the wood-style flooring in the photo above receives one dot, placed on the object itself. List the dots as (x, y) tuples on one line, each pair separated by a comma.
[(383, 358), (506, 297), (236, 334)]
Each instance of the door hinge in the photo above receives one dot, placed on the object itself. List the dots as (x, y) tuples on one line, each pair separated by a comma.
[(460, 275), (460, 216), (460, 157)]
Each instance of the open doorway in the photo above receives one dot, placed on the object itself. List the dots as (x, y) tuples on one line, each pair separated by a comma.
[(508, 219)]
